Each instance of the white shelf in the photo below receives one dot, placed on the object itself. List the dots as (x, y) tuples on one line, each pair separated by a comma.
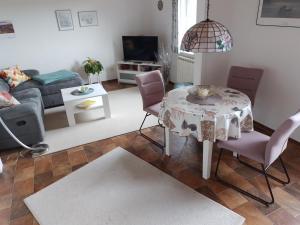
[(97, 105), (127, 81), (141, 64), (132, 69), (153, 65)]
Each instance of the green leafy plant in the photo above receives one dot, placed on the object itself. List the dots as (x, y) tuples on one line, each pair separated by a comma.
[(92, 66)]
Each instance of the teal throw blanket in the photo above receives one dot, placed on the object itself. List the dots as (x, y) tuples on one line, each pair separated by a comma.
[(50, 78)]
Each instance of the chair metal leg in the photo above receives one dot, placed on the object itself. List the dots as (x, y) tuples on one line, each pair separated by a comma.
[(266, 203), (186, 140), (147, 137), (141, 127), (269, 175), (159, 124)]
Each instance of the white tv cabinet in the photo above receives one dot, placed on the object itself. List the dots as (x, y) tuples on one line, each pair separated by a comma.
[(127, 71)]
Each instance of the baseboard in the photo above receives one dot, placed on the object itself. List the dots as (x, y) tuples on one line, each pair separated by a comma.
[(262, 128), (269, 131), (110, 81)]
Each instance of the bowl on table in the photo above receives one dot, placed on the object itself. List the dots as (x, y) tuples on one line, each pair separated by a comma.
[(202, 92), (83, 89)]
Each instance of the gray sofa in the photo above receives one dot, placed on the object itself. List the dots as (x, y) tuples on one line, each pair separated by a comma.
[(26, 120), (50, 93)]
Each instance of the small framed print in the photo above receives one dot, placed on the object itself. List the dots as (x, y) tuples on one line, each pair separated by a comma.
[(64, 20), (7, 29), (282, 13), (88, 18)]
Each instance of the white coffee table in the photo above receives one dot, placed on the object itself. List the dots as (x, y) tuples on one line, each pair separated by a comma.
[(71, 101)]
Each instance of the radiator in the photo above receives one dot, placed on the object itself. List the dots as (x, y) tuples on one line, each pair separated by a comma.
[(185, 69)]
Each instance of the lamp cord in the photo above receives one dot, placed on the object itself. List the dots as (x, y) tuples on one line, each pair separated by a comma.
[(207, 12)]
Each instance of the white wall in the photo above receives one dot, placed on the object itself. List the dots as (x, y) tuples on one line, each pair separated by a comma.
[(161, 25), (39, 44), (215, 65), (161, 21), (274, 50)]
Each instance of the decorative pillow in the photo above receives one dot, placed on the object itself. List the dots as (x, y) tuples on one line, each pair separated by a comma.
[(7, 100), (14, 76)]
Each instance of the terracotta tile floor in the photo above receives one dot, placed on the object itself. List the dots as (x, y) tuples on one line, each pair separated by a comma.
[(25, 176)]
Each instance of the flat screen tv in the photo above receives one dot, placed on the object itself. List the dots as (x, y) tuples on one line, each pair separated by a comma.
[(140, 48)]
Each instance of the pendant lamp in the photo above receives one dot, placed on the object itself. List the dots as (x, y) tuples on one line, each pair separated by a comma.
[(208, 36)]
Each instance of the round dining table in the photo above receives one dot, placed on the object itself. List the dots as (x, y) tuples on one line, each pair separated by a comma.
[(224, 114)]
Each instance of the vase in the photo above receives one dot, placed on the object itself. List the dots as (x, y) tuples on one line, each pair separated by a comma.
[(90, 78), (99, 79)]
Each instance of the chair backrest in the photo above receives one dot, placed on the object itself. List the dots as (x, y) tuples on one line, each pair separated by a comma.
[(151, 86), (245, 80), (279, 139)]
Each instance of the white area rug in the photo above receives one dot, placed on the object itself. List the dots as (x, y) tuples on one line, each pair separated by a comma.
[(127, 115), (121, 189)]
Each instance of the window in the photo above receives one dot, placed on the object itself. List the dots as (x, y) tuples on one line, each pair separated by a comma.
[(187, 17)]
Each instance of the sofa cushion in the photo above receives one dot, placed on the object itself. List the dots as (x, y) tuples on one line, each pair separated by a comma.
[(31, 96), (6, 100), (50, 78), (31, 72), (3, 85), (14, 76), (27, 93), (51, 88), (53, 100)]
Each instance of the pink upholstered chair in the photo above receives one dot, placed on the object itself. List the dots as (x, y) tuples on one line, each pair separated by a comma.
[(263, 149), (245, 80), (152, 89)]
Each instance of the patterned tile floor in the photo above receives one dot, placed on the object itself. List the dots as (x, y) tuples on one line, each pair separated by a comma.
[(25, 176)]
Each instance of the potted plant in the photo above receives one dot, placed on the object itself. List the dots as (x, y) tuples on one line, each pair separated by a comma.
[(92, 67)]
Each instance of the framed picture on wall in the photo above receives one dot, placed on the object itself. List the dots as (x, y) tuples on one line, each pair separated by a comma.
[(283, 13), (88, 18), (64, 20), (6, 29)]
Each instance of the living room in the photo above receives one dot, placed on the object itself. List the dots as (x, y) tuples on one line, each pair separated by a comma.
[(96, 149)]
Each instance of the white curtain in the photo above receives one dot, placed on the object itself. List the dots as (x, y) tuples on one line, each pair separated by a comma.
[(184, 17), (175, 26)]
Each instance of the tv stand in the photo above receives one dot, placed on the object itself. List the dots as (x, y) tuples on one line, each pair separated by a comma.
[(127, 71)]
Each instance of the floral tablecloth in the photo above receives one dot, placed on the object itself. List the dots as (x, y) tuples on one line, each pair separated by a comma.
[(225, 114)]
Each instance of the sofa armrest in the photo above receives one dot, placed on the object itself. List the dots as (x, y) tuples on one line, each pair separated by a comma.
[(20, 111), (31, 72), (25, 121)]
